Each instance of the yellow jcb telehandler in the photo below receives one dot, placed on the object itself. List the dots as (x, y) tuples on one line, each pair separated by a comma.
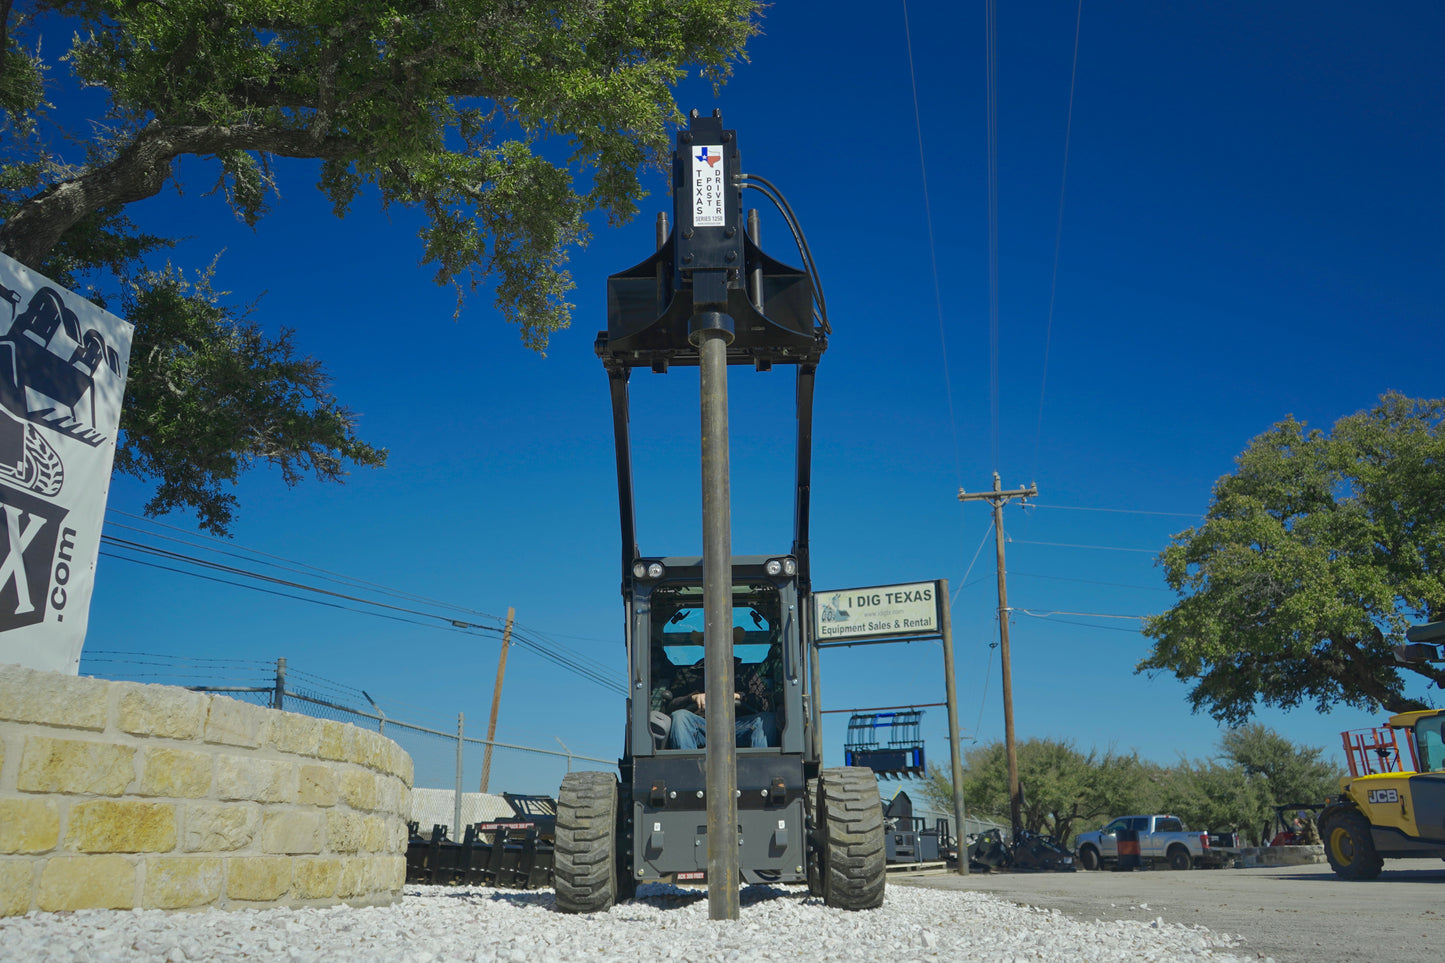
[(1392, 804)]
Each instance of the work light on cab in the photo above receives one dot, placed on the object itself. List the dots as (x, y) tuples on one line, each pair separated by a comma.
[(649, 570)]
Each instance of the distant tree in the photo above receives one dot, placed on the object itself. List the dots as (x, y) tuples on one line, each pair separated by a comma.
[(1314, 557), (1291, 773), (477, 114), (1062, 787), (1215, 797)]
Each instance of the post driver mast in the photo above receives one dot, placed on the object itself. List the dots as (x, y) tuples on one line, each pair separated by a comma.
[(710, 297)]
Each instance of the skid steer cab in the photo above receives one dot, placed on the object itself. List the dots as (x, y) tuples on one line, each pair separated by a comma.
[(795, 823), (1392, 804)]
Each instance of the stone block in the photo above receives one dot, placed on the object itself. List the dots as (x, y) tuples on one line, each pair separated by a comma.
[(381, 873), (17, 884), (29, 825), (175, 772), (73, 766), (358, 788), (401, 765), (121, 826), (345, 832), (373, 751), (337, 740), (261, 780), (297, 734), (177, 882), (232, 723), (293, 831), (53, 698), (389, 793), (398, 874), (214, 828), (353, 878), (317, 786), (86, 882), (316, 878), (258, 878), (160, 710), (375, 839)]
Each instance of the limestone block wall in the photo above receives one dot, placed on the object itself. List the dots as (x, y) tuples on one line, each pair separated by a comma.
[(119, 795)]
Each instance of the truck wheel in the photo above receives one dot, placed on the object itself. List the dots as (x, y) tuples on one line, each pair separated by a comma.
[(1350, 847), (850, 825), (585, 864), (1179, 858), (814, 857), (1089, 858)]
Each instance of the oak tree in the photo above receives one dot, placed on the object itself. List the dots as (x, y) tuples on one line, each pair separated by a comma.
[(505, 124), (1315, 556)]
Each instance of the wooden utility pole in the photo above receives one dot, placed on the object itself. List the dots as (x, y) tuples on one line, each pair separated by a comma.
[(496, 700), (999, 498)]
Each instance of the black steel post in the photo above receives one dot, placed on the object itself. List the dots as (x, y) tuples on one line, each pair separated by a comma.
[(721, 767)]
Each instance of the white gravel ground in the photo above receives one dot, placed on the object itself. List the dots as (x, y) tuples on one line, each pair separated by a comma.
[(664, 924)]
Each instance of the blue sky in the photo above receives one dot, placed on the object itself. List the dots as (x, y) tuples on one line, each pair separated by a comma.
[(1250, 230)]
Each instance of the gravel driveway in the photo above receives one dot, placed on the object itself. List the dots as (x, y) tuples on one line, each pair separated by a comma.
[(1295, 914)]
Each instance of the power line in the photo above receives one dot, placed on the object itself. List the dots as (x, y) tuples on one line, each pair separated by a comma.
[(1102, 548), (1091, 615), (988, 530), (1090, 625), (1116, 511), (1089, 581), (588, 668), (932, 249), (295, 567), (1058, 239), (991, 97), (197, 541)]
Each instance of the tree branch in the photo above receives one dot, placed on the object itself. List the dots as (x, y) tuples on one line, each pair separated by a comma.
[(139, 171)]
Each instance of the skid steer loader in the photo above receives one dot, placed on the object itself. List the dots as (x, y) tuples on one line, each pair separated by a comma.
[(648, 822)]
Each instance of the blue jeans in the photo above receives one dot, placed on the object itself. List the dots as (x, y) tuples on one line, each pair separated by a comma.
[(689, 730)]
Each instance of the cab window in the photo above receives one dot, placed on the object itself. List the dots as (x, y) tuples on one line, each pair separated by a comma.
[(1430, 738)]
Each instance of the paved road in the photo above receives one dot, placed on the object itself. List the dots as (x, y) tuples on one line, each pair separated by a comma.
[(1295, 914)]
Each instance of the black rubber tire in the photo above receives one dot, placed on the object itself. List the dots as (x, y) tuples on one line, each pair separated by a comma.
[(853, 863), (1089, 859), (584, 863), (1349, 846), (814, 856), (1179, 858)]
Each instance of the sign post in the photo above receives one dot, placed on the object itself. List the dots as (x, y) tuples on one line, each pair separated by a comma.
[(880, 614)]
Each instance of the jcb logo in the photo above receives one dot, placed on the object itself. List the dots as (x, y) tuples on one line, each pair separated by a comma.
[(1384, 796)]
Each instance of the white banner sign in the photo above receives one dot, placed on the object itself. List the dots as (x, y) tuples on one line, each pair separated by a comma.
[(881, 610), (62, 378)]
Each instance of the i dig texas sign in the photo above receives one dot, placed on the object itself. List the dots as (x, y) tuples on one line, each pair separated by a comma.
[(62, 378), (877, 612)]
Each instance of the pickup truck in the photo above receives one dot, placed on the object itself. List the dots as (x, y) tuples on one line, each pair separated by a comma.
[(1162, 839)]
